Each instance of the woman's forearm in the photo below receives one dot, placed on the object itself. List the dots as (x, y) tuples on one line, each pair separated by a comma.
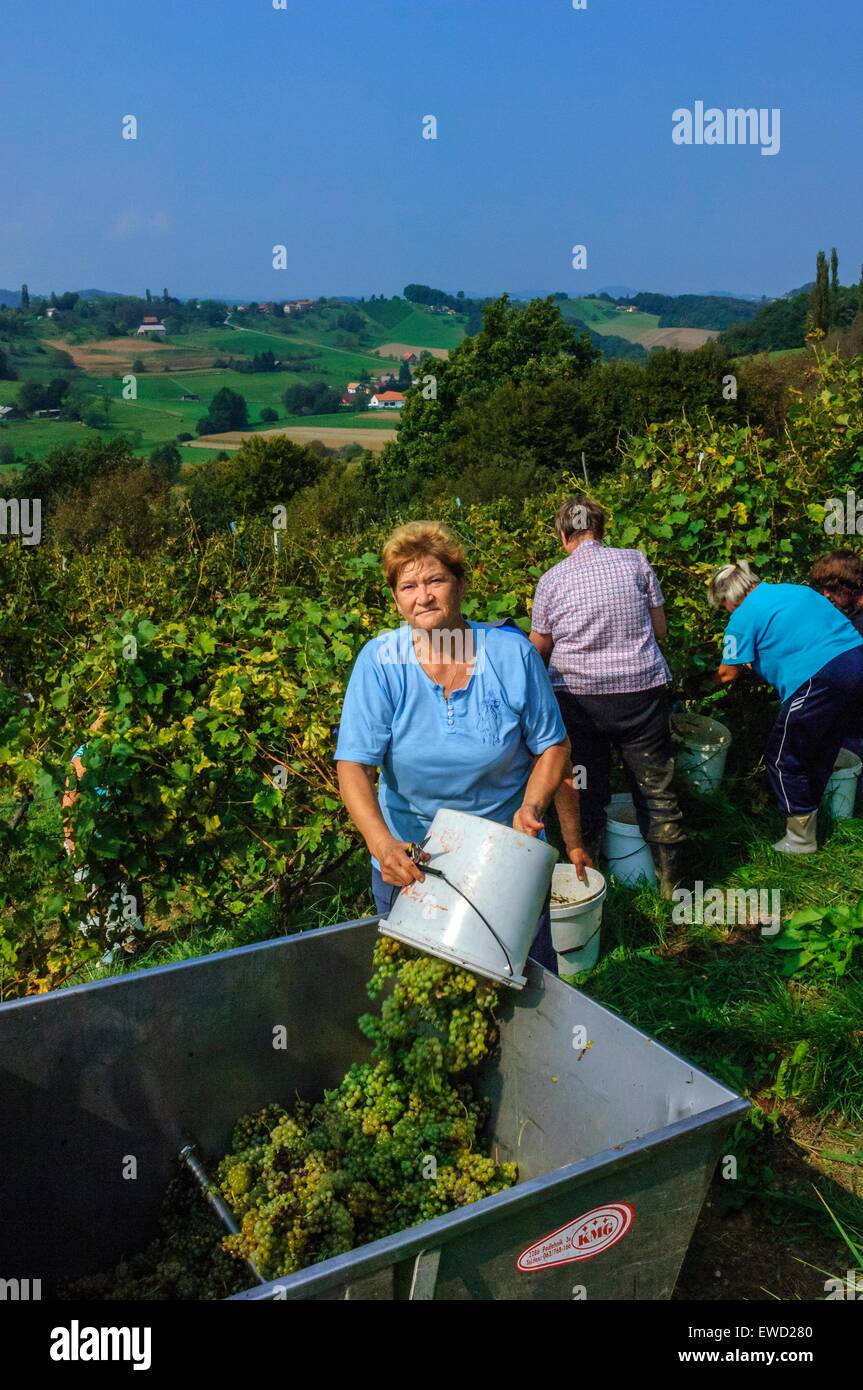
[(357, 787), (568, 807), (548, 772)]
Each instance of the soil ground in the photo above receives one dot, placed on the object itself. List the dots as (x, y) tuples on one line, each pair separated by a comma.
[(685, 338), (333, 437), (108, 355), (766, 1249), (399, 350)]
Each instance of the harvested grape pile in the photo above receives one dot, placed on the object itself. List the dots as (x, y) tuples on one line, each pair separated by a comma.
[(396, 1143), (185, 1261)]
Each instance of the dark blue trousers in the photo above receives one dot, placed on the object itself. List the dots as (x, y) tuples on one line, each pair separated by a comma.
[(542, 949), (811, 727)]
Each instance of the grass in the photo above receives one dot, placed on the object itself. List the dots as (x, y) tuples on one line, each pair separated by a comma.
[(716, 995), (604, 318), (159, 413), (630, 326), (421, 329)]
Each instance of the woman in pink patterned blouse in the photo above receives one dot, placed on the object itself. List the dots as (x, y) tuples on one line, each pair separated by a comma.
[(597, 620)]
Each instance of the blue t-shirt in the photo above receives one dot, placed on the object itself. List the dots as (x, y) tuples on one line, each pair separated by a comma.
[(473, 752), (788, 632)]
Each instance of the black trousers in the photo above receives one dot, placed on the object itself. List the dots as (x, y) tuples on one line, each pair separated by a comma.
[(636, 724), (811, 727)]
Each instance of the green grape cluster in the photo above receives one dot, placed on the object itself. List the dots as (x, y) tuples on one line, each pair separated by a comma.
[(398, 1141), (185, 1262)]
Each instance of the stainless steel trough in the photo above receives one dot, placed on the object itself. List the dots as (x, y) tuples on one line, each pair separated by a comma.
[(616, 1138)]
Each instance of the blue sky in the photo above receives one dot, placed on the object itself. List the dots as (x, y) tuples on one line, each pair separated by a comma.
[(304, 127)]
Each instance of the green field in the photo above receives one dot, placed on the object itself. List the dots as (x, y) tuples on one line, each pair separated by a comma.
[(159, 413), (421, 329), (604, 318)]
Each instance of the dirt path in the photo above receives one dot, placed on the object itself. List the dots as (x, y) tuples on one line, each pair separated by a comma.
[(330, 435)]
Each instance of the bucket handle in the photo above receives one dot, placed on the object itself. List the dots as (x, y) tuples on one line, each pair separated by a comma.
[(619, 858), (719, 748), (584, 945)]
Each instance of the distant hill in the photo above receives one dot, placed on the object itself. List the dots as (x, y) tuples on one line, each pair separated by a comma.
[(617, 291), (801, 289), (696, 310), (11, 299), (727, 294)]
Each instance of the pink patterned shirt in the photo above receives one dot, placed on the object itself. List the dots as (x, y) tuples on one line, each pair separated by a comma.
[(596, 607)]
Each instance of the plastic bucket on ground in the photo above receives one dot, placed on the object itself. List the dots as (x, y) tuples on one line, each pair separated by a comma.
[(629, 858), (842, 788), (576, 918), (703, 746), (479, 905)]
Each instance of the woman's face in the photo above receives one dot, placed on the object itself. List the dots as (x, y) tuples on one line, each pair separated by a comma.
[(843, 602), (428, 595)]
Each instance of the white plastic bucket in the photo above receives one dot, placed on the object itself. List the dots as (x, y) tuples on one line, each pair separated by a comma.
[(842, 787), (703, 748), (483, 914), (576, 918), (629, 858)]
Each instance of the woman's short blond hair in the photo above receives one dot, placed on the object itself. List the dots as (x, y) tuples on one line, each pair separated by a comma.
[(416, 539)]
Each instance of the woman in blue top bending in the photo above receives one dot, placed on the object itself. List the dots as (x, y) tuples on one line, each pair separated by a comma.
[(456, 714), (798, 641)]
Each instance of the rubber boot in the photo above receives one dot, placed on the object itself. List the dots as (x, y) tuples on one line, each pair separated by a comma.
[(799, 837), (667, 862)]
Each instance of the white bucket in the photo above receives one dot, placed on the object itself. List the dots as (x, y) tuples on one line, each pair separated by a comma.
[(704, 745), (576, 918), (629, 858), (842, 787), (484, 913)]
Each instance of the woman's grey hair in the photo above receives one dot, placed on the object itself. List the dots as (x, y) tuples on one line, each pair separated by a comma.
[(731, 583)]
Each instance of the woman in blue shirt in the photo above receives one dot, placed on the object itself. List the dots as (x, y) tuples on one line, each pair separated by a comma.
[(455, 714), (800, 643)]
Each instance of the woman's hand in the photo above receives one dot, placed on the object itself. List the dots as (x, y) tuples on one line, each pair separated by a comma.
[(397, 867), (581, 860), (528, 819)]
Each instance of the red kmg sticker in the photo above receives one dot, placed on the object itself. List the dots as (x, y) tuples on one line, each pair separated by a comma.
[(581, 1239)]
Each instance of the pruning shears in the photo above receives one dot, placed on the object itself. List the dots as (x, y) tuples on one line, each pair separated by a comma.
[(415, 852)]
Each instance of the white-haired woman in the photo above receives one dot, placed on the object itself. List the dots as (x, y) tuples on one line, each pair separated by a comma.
[(798, 641)]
